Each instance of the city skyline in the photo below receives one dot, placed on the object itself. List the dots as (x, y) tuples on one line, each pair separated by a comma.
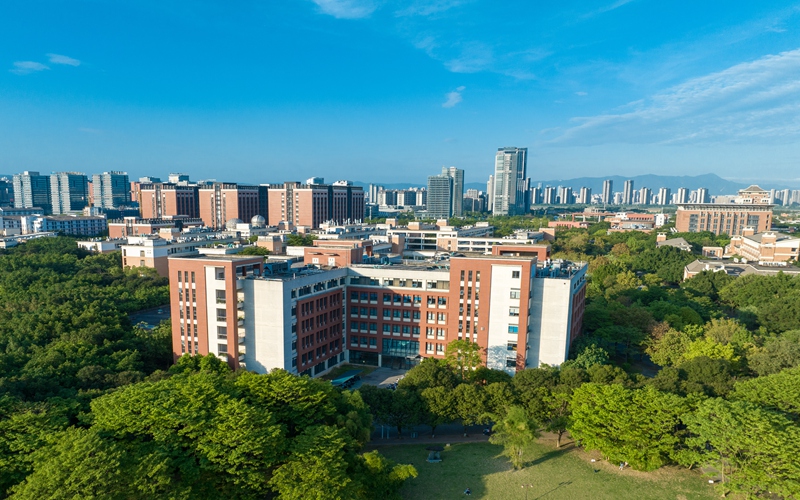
[(409, 86)]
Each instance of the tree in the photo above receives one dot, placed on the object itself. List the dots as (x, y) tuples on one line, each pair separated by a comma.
[(399, 408), (439, 406), (627, 425), (470, 405), (252, 250), (754, 450), (317, 469), (778, 352), (515, 431), (77, 464), (777, 392), (464, 356), (431, 372), (300, 240), (591, 355)]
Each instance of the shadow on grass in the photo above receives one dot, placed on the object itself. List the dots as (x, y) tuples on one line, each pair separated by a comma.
[(548, 456), (560, 485)]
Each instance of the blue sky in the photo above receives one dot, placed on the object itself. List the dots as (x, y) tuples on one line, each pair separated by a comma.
[(389, 91)]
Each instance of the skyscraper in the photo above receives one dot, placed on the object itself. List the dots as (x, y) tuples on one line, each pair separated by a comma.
[(69, 192), (440, 196), (510, 169), (627, 192), (111, 189), (457, 192), (32, 190), (664, 196), (565, 195), (645, 194), (490, 194), (586, 195), (549, 196), (683, 195), (608, 191), (702, 195)]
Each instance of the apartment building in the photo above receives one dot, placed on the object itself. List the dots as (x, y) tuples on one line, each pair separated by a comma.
[(69, 192), (307, 320), (219, 202), (162, 199), (111, 190), (32, 190), (313, 204)]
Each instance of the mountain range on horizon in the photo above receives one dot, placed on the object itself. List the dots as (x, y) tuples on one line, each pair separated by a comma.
[(715, 184)]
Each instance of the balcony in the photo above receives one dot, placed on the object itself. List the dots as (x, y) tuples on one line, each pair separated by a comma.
[(239, 284), (242, 350), (240, 321), (240, 305)]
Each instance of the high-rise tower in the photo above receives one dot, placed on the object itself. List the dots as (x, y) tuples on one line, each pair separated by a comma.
[(510, 171)]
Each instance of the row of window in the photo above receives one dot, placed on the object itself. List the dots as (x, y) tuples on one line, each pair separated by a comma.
[(320, 352), (395, 298), (386, 328), (469, 276), (308, 341)]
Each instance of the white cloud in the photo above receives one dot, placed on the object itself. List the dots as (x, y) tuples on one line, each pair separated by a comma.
[(89, 130), (429, 7), (60, 59), (347, 9), (453, 98), (581, 93), (607, 8), (27, 67), (759, 99)]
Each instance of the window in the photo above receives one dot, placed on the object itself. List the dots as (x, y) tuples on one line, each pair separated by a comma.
[(431, 301), (395, 328), (364, 296), (222, 348), (373, 328), (387, 297), (514, 293), (406, 329), (373, 342), (439, 349), (515, 274), (353, 311), (353, 296), (414, 330), (354, 340), (373, 297), (462, 275), (386, 328), (442, 301), (512, 346), (511, 363), (513, 329), (363, 311), (222, 315), (477, 276), (416, 315), (407, 314), (220, 296), (373, 312), (441, 316), (219, 273), (431, 317), (396, 313), (387, 313), (222, 332), (513, 311)]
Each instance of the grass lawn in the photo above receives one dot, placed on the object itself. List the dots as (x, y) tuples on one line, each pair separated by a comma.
[(554, 474), (336, 372)]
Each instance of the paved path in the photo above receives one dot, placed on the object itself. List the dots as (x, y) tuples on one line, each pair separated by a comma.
[(151, 317)]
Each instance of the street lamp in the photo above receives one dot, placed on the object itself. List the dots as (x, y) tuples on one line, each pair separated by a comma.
[(525, 487)]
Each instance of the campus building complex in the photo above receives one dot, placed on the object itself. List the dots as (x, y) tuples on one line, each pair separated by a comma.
[(522, 312)]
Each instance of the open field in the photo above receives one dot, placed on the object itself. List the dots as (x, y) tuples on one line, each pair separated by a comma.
[(565, 474)]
